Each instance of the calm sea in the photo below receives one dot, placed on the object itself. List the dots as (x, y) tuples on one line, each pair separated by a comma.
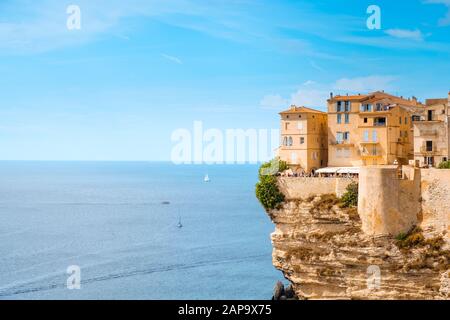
[(112, 220)]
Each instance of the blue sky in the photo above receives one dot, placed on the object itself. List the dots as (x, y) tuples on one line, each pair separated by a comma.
[(137, 70)]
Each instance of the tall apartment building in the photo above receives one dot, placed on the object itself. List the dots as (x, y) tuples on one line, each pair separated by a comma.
[(431, 132), (370, 129), (304, 138)]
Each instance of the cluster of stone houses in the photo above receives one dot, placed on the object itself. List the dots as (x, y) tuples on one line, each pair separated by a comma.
[(366, 129)]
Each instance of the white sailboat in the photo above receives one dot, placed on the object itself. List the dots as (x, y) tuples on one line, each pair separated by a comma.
[(206, 179), (179, 225)]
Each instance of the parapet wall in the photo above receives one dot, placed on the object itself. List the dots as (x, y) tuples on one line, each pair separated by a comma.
[(390, 200), (305, 187)]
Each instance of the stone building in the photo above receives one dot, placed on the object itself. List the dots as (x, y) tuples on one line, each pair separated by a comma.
[(303, 138), (370, 129), (431, 133)]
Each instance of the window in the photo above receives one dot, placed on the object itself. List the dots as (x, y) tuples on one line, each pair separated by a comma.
[(347, 118), (302, 140), (366, 135), (339, 118), (429, 146), (314, 155), (365, 120), (381, 122), (374, 136), (400, 120), (347, 136), (293, 157), (379, 107), (347, 106), (286, 125), (374, 150), (339, 106), (339, 137), (415, 118), (300, 125), (406, 120), (346, 153), (366, 107), (290, 141), (284, 141)]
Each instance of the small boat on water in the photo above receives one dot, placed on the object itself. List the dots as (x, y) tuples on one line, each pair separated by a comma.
[(206, 179), (179, 225)]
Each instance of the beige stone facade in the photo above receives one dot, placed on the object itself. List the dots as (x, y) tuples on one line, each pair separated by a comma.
[(431, 133), (372, 129), (366, 129), (303, 138)]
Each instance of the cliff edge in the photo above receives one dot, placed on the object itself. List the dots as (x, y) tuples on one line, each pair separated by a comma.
[(325, 252)]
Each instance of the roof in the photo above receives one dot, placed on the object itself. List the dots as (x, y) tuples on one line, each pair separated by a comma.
[(431, 102), (377, 95), (351, 98), (295, 109)]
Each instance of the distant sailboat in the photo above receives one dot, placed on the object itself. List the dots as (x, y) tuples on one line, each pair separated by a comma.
[(206, 179), (179, 225)]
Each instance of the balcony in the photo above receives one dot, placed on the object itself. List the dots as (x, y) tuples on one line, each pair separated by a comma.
[(433, 117), (343, 143), (428, 133), (369, 143), (370, 155), (373, 108), (429, 150)]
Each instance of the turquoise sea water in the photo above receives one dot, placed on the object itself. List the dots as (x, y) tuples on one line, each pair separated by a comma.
[(109, 218)]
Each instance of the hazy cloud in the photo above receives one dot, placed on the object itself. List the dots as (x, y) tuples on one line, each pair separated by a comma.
[(172, 58), (405, 34), (446, 20), (364, 84), (273, 101)]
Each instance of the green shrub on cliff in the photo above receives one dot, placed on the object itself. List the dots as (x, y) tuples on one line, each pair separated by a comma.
[(272, 167), (267, 190), (444, 165), (350, 197)]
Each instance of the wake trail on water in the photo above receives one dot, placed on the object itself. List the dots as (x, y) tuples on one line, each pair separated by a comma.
[(27, 287)]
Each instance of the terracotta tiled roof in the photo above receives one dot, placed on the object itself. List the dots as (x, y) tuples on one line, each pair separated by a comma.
[(430, 102), (375, 96), (295, 109), (348, 98)]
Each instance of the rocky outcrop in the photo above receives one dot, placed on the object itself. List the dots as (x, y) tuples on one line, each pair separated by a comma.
[(322, 250)]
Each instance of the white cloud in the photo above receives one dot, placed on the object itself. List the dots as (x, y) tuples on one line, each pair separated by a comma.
[(172, 58), (312, 98), (364, 84), (315, 95), (316, 66), (309, 83), (446, 20), (405, 34), (273, 101)]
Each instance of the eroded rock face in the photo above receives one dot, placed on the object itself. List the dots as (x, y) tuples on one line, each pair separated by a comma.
[(322, 250)]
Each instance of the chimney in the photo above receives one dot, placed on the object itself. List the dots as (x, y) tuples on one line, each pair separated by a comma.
[(331, 95)]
